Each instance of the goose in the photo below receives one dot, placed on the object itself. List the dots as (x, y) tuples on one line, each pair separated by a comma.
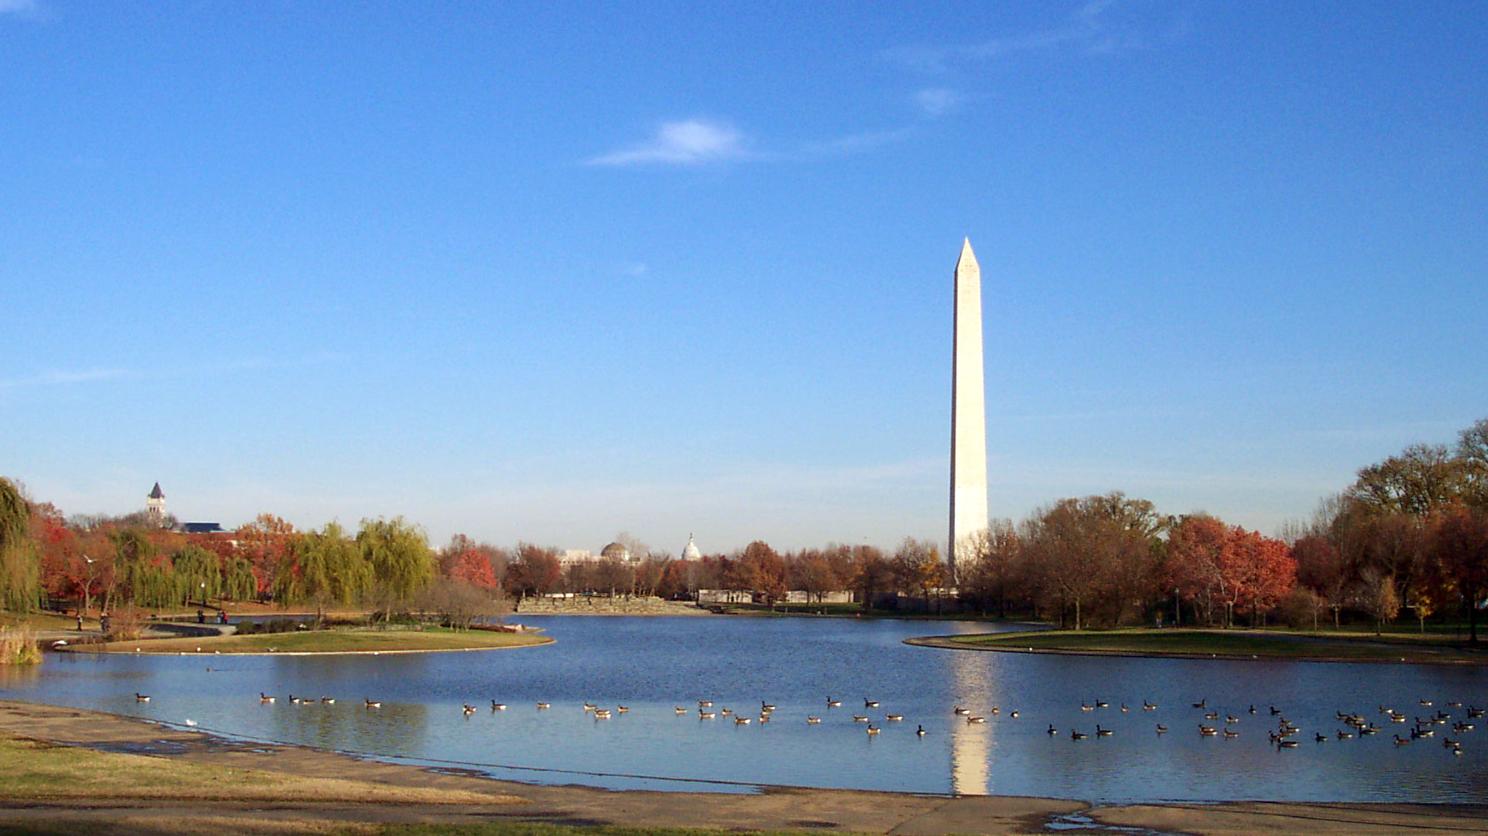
[(706, 715), (1102, 704), (265, 698), (679, 709), (995, 711), (1397, 718), (893, 718), (726, 712), (1207, 731), (1252, 708), (328, 700), (766, 707), (1275, 711), (1401, 741), (705, 703), (1203, 703), (1474, 713), (1231, 719), (543, 706), (372, 703), (1454, 704), (1124, 709), (623, 709), (1161, 729), (962, 711), (831, 703), (190, 722), (601, 714), (741, 721), (469, 709), (1084, 707), (589, 706), (813, 720), (973, 719), (1211, 715), (1462, 727), (872, 729), (1343, 735), (1100, 732), (1149, 706), (919, 731), (1447, 743), (1369, 729), (860, 718), (138, 697), (764, 716), (1077, 735), (498, 706), (1231, 734), (1014, 714), (1052, 731), (1287, 744), (1425, 703), (1320, 737), (867, 703)]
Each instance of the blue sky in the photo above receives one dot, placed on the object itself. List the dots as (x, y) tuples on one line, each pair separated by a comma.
[(557, 270)]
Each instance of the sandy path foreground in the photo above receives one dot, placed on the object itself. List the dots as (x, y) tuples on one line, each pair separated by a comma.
[(773, 809)]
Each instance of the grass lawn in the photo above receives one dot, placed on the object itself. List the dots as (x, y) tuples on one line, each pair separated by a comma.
[(348, 640), (1238, 643), (37, 771), (514, 828)]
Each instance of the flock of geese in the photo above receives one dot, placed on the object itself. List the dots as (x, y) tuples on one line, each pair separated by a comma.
[(1283, 736)]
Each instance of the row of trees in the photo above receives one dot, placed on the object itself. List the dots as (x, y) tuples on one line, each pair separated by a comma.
[(1412, 531)]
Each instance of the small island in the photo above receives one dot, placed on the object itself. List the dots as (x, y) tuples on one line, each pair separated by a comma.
[(332, 641), (1292, 645)]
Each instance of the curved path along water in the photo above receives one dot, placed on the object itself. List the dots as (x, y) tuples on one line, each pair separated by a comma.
[(652, 665)]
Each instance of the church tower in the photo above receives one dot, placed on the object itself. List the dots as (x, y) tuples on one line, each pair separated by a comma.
[(155, 506)]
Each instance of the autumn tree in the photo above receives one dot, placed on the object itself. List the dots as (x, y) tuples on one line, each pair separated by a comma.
[(534, 571), (917, 567), (871, 574), (1195, 546), (266, 542), (1257, 572), (1321, 568), (762, 570), (1459, 548), (399, 556)]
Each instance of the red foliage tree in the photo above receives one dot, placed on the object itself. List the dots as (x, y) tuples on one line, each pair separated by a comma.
[(473, 567), (1257, 572)]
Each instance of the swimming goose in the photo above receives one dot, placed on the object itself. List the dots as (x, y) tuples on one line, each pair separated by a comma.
[(860, 718), (264, 698), (622, 708), (1052, 731), (1124, 709), (498, 706), (766, 707), (972, 719), (894, 718), (138, 697), (962, 711), (1084, 707), (679, 709), (1014, 714), (705, 703), (1401, 741), (741, 721), (328, 700), (1343, 735), (1149, 706), (468, 709), (1275, 711), (872, 729), (726, 711), (1100, 732), (589, 706), (1252, 708), (372, 703), (543, 706), (813, 720), (1161, 729), (1211, 715), (706, 715), (1231, 719), (1231, 734), (1207, 731), (831, 703), (920, 731), (1203, 703), (1287, 744), (1077, 735), (867, 703), (1320, 737), (601, 714), (294, 700), (1102, 704)]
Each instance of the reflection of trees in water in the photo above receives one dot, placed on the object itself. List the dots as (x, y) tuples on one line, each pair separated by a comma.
[(393, 729)]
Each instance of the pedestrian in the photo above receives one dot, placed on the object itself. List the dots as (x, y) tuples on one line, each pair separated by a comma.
[(201, 616), (80, 620), (103, 623)]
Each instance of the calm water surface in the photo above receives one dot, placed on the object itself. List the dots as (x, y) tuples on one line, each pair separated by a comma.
[(653, 664)]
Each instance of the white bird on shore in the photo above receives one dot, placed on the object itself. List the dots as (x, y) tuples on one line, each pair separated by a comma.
[(190, 722)]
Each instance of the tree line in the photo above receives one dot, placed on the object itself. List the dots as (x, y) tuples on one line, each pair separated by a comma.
[(1410, 533)]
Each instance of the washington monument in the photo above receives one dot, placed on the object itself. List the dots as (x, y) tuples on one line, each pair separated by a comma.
[(968, 413)]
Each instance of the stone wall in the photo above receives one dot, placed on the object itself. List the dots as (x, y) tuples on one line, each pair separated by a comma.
[(604, 605)]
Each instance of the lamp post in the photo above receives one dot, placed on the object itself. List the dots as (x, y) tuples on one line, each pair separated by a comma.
[(203, 586), (88, 585), (1177, 613)]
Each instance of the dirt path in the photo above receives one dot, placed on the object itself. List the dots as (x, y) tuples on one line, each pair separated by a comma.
[(772, 809)]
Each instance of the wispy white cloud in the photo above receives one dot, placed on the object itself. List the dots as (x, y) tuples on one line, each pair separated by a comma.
[(688, 142), (1088, 29), (62, 377), (936, 101)]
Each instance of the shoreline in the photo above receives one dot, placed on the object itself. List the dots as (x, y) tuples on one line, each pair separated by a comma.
[(81, 648), (949, 642), (512, 802)]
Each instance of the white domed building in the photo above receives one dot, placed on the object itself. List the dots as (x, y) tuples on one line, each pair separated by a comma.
[(690, 551), (615, 551)]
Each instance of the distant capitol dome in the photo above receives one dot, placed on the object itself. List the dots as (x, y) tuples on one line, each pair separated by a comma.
[(615, 551), (690, 552)]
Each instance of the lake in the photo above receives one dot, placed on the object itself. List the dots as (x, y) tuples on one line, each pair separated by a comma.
[(651, 665)]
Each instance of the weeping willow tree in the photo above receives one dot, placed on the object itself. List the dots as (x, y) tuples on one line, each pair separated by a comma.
[(238, 581), (20, 563), (399, 556), (146, 582), (197, 573)]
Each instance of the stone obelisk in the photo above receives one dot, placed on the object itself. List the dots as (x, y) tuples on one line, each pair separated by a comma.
[(968, 413)]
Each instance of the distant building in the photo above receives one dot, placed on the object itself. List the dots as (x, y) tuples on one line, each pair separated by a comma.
[(690, 551), (201, 528), (155, 506), (615, 551), (568, 557)]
